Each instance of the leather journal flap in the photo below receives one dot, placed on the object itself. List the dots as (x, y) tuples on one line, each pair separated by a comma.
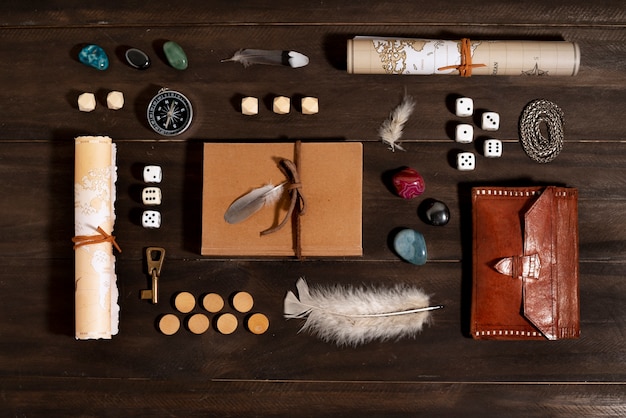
[(528, 238)]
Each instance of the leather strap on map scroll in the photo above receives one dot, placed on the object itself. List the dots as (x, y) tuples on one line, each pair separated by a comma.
[(465, 68), (81, 240), (297, 205)]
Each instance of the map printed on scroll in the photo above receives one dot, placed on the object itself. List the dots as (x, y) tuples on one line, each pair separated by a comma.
[(367, 55)]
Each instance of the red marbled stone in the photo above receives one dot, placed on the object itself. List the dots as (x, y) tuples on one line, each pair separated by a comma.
[(408, 183)]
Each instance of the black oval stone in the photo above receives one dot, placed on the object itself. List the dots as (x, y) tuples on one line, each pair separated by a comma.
[(436, 212), (137, 58)]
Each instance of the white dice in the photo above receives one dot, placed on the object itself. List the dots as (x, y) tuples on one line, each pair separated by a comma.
[(151, 219), (151, 196), (464, 107), (490, 121), (492, 148), (152, 174), (465, 161), (464, 133)]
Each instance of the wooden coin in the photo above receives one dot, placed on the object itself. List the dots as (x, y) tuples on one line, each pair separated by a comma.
[(258, 323), (213, 302), (184, 302), (198, 323), (169, 324), (243, 302), (227, 323)]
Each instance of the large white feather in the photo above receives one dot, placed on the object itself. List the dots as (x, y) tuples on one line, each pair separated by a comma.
[(352, 316), (252, 202), (248, 57), (391, 129)]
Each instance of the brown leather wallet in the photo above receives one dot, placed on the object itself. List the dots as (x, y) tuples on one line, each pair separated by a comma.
[(525, 263)]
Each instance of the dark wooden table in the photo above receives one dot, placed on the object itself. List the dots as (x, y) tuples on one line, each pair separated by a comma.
[(45, 371)]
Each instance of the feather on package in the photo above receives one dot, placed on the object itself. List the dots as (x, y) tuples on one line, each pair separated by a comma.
[(350, 316)]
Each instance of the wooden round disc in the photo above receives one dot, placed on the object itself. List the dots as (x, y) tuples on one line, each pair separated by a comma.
[(226, 323), (198, 323), (258, 323), (243, 302), (169, 324), (184, 302), (213, 302)]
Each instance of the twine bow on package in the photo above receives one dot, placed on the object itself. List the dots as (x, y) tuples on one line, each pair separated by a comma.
[(96, 293), (465, 57)]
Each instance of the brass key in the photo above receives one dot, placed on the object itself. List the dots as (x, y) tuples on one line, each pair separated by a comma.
[(154, 257)]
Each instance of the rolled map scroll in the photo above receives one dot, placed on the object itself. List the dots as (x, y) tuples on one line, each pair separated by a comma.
[(367, 55), (96, 294)]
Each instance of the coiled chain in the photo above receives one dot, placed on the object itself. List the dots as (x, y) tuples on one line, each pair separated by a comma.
[(537, 146)]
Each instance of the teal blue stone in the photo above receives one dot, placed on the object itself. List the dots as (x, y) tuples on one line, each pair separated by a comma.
[(175, 55), (410, 245), (94, 56)]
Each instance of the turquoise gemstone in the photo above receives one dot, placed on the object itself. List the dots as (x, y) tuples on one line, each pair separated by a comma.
[(175, 55), (410, 245), (94, 56)]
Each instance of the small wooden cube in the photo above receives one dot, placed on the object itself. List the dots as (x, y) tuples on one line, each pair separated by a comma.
[(115, 100), (86, 102), (250, 106), (310, 105), (282, 105)]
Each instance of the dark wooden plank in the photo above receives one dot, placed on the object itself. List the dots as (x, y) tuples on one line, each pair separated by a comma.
[(351, 106), (162, 13), (116, 397)]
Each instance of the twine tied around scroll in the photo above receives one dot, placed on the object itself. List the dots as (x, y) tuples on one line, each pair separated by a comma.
[(297, 203), (465, 68), (81, 240)]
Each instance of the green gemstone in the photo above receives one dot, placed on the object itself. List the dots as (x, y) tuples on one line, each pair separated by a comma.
[(175, 55)]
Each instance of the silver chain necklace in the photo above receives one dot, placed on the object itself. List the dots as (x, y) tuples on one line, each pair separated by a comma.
[(535, 144)]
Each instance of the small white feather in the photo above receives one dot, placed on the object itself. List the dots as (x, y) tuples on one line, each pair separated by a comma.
[(249, 57), (391, 129), (352, 316), (252, 202)]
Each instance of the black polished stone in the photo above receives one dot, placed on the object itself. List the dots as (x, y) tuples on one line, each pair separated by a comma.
[(435, 212), (137, 58)]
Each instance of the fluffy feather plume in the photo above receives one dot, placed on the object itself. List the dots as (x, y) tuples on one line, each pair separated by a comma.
[(252, 202), (248, 57), (391, 129), (351, 316)]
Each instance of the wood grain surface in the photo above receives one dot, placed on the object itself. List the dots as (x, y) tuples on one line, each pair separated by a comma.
[(44, 371)]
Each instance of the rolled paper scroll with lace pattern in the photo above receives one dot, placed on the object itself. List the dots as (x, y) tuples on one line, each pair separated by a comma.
[(96, 293)]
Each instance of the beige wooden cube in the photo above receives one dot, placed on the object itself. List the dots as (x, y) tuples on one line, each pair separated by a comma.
[(86, 102), (115, 100), (282, 105), (310, 105), (250, 106)]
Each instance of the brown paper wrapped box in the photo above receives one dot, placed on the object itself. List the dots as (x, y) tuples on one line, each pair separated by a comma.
[(331, 177), (525, 257)]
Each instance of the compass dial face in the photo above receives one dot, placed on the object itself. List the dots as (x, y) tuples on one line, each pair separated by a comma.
[(170, 113)]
